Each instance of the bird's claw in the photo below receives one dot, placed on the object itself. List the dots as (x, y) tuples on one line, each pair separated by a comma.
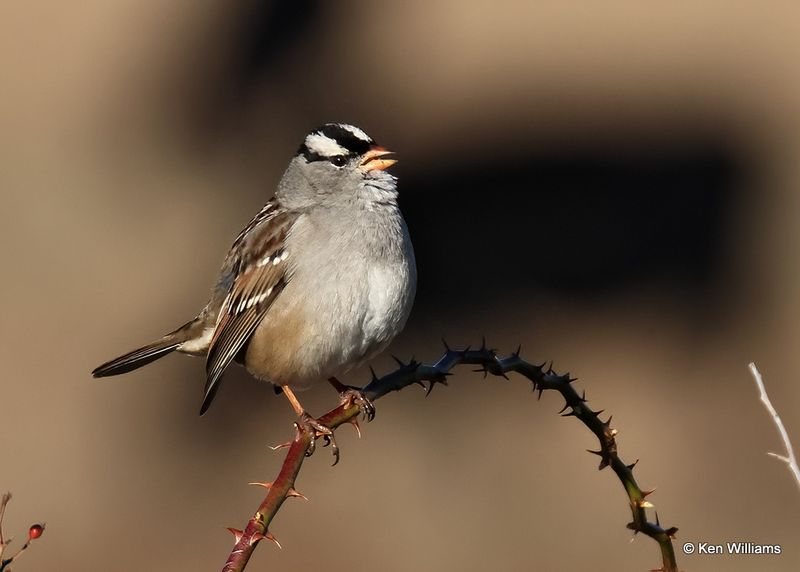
[(353, 395), (317, 430)]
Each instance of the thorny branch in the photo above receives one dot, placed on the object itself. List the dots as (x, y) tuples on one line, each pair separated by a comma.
[(789, 458), (488, 362)]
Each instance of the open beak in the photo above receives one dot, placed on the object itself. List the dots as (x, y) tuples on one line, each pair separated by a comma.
[(373, 160)]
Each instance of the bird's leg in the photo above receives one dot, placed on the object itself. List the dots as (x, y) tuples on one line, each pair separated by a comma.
[(317, 429), (350, 394)]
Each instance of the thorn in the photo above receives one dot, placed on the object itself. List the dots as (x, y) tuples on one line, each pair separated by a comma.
[(444, 342), (466, 349), (397, 359), (646, 493), (607, 423), (295, 494), (374, 377), (257, 537), (271, 537), (237, 534), (604, 462), (483, 343), (265, 485), (354, 423), (519, 350), (571, 414), (780, 457), (632, 465), (658, 522), (672, 531), (632, 526), (563, 409), (583, 396), (597, 413), (539, 397)]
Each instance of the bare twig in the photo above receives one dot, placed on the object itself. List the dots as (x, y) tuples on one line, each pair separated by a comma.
[(3, 504), (789, 458), (34, 532), (488, 363)]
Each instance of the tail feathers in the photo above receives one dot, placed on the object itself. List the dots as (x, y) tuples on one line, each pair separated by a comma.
[(144, 355), (136, 358)]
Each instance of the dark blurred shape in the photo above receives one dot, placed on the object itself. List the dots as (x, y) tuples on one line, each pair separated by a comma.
[(257, 37), (583, 223), (264, 30)]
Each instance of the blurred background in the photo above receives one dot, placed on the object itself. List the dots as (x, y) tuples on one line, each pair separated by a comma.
[(614, 188)]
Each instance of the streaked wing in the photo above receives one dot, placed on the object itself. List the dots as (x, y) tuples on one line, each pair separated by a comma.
[(257, 263)]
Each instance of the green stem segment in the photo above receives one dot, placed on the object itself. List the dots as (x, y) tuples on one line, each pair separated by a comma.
[(413, 372)]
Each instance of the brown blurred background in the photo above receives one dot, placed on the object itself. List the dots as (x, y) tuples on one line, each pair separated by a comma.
[(615, 188)]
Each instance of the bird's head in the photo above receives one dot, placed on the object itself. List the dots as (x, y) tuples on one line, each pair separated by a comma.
[(336, 163)]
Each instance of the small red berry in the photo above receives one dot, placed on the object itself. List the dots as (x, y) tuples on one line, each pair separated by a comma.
[(35, 531)]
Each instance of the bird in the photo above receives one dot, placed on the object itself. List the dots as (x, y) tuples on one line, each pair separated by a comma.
[(320, 281)]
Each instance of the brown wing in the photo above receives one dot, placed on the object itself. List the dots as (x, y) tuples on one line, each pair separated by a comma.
[(256, 268)]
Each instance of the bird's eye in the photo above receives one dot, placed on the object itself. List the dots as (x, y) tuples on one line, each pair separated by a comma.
[(338, 160)]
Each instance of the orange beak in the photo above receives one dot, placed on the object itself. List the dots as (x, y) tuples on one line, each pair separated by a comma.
[(373, 160)]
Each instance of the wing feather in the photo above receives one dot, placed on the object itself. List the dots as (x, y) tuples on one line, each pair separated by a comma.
[(257, 273)]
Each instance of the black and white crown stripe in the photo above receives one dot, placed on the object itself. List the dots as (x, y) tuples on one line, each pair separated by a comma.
[(335, 139)]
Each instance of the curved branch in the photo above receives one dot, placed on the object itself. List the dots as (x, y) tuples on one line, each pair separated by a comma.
[(416, 373)]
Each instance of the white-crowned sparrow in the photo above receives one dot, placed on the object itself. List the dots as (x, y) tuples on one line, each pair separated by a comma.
[(320, 280)]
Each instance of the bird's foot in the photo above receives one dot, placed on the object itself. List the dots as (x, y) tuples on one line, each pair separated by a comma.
[(317, 430), (353, 395)]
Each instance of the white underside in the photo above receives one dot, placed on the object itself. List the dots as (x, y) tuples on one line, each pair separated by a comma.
[(198, 346)]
